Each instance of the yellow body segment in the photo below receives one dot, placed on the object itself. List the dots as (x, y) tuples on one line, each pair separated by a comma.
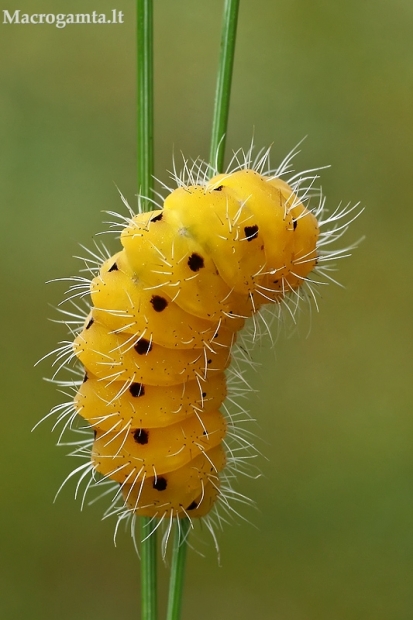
[(270, 214), (177, 491), (226, 230), (125, 303), (121, 405), (138, 453), (121, 357), (164, 254)]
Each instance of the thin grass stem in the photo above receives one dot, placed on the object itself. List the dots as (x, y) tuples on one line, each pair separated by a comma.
[(145, 98), (148, 549), (223, 88), (176, 583), (145, 170)]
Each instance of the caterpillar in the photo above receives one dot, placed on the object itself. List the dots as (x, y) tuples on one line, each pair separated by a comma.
[(165, 321)]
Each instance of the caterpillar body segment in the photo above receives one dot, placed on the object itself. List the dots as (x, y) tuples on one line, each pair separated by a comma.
[(120, 405), (166, 256), (126, 304), (109, 355), (141, 452), (192, 489), (227, 231)]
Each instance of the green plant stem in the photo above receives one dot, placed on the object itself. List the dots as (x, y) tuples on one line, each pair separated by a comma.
[(145, 170), (176, 583), (223, 88), (149, 602), (145, 98)]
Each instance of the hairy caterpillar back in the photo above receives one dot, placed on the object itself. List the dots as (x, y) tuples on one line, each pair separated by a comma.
[(166, 314)]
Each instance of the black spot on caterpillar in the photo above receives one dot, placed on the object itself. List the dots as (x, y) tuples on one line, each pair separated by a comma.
[(195, 262), (160, 484), (143, 347), (141, 436), (137, 389), (159, 303), (251, 232)]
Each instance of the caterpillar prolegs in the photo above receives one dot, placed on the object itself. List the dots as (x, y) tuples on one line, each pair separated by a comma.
[(163, 325)]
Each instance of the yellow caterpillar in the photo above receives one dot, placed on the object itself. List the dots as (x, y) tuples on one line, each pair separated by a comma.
[(165, 315)]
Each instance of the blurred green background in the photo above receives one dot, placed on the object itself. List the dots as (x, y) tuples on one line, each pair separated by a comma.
[(334, 530)]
